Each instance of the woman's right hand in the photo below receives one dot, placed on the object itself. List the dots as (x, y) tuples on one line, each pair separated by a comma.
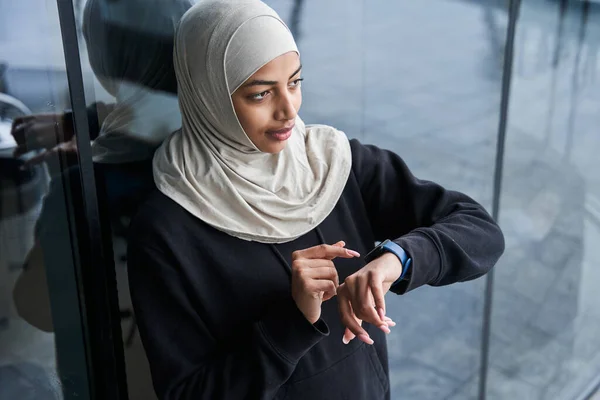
[(314, 277), (40, 131)]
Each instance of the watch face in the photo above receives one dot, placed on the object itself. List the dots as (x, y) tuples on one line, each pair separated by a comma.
[(373, 254)]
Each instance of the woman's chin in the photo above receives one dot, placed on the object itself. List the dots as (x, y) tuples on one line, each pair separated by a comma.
[(277, 148), (273, 147)]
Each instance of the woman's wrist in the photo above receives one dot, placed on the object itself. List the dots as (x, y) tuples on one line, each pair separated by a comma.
[(393, 267)]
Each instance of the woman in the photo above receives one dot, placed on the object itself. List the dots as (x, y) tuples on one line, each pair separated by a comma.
[(236, 260)]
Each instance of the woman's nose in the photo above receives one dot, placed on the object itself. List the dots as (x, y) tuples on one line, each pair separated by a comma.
[(285, 108)]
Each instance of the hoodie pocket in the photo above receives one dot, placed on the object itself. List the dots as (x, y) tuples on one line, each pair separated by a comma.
[(378, 367), (360, 376)]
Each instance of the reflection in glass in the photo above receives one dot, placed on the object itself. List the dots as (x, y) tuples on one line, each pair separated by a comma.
[(41, 340), (129, 47), (545, 317)]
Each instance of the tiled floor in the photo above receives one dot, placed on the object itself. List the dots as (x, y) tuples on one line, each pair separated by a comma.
[(424, 79)]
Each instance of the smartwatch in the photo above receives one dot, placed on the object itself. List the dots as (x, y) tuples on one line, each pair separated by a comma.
[(388, 246)]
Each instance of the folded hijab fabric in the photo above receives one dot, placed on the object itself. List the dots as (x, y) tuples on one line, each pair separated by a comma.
[(130, 48), (210, 167)]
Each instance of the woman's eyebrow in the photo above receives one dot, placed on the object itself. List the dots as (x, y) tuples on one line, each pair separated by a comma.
[(259, 82), (296, 71)]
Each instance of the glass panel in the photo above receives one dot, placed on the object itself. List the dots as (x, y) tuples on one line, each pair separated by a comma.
[(546, 322), (42, 353)]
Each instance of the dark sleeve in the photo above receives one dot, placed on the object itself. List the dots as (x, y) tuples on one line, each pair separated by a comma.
[(450, 237), (187, 360)]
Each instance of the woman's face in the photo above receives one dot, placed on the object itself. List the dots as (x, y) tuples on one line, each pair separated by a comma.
[(268, 102)]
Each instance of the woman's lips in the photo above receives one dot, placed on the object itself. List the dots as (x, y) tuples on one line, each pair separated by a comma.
[(281, 134)]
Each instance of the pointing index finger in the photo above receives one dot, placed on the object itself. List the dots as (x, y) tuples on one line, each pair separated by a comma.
[(328, 252)]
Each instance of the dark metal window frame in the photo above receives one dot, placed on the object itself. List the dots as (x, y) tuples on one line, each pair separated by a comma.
[(94, 264)]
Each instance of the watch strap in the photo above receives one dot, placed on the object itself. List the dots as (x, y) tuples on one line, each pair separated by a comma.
[(405, 260), (389, 246)]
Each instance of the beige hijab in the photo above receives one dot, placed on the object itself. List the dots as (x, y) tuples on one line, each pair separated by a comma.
[(210, 167)]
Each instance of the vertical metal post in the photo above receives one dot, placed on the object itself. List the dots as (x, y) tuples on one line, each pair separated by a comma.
[(570, 141), (513, 12), (96, 273)]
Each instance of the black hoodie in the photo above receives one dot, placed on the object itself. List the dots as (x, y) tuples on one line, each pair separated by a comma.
[(215, 312)]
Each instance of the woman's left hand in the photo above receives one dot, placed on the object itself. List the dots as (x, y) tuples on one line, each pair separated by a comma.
[(361, 297)]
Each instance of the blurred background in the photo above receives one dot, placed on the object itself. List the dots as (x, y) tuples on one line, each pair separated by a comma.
[(509, 116)]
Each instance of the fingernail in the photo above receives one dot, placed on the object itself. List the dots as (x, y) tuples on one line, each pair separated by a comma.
[(345, 340), (353, 253), (365, 338), (385, 328), (381, 313), (390, 323)]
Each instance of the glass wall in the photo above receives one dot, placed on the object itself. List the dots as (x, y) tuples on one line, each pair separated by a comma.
[(42, 336), (56, 315), (424, 79), (545, 319)]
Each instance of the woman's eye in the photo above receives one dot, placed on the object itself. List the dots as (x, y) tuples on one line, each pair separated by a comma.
[(296, 83), (259, 96)]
